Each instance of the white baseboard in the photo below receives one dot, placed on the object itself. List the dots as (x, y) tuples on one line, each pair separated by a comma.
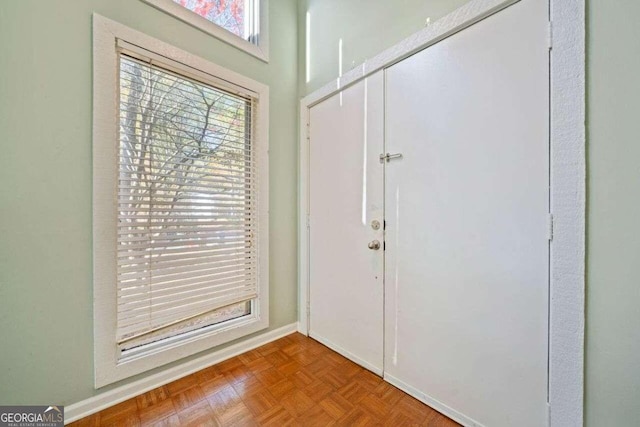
[(433, 403), (347, 354), (302, 329), (112, 397)]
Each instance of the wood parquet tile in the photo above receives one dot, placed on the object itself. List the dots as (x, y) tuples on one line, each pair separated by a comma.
[(294, 381)]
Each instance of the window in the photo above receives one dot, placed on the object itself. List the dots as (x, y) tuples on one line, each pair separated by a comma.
[(232, 15), (241, 23), (186, 232), (180, 195)]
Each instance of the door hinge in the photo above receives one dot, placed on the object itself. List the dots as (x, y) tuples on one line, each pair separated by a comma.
[(550, 35), (308, 132), (550, 227), (308, 221)]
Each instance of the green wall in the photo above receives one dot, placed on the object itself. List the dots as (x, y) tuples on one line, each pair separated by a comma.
[(613, 214), (366, 28), (46, 323)]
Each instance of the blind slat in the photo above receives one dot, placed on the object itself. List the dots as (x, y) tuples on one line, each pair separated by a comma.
[(179, 262), (222, 96), (190, 268), (174, 229), (169, 289), (134, 175), (168, 207), (188, 323), (131, 140), (157, 254), (152, 248), (181, 231), (186, 238), (131, 297), (170, 309), (191, 243), (185, 203), (231, 132), (174, 308), (187, 313), (194, 194)]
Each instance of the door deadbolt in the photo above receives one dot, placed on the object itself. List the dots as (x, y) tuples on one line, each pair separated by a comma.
[(375, 224), (374, 245)]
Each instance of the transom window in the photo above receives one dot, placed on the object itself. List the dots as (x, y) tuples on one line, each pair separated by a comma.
[(232, 15), (241, 23)]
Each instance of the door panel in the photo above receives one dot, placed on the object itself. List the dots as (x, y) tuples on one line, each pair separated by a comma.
[(346, 185), (467, 218)]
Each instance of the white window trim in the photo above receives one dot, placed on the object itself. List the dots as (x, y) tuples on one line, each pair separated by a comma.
[(260, 51), (108, 367)]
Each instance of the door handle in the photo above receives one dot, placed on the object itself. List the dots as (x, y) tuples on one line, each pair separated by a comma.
[(374, 245), (388, 157)]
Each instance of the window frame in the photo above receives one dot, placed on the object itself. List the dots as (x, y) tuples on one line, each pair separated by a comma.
[(260, 49), (109, 367)]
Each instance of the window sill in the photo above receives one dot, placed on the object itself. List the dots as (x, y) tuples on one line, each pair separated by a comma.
[(186, 338), (187, 346)]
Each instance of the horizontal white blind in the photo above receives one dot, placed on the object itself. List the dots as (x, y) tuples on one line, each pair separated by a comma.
[(187, 208)]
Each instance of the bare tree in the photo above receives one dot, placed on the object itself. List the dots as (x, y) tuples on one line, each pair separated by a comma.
[(184, 152)]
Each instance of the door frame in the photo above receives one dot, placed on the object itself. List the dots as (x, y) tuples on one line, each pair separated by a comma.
[(567, 191)]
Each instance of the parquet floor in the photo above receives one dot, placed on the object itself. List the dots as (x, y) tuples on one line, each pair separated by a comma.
[(294, 381)]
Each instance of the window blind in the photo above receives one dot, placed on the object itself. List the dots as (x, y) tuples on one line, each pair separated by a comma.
[(187, 205)]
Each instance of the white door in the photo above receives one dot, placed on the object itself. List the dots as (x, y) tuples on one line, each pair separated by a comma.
[(346, 184), (467, 221)]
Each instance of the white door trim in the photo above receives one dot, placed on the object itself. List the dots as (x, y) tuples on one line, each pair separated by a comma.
[(568, 195), (568, 177)]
